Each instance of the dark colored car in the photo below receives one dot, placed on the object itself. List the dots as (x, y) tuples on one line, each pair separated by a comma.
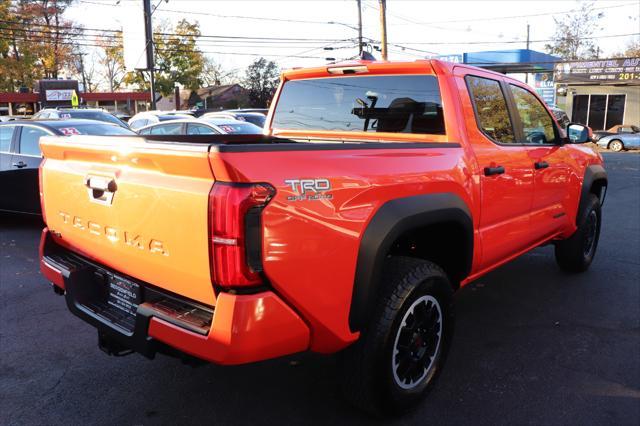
[(20, 156), (81, 113), (620, 129), (561, 117)]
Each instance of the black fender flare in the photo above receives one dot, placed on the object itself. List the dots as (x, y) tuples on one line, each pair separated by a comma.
[(592, 173), (394, 218)]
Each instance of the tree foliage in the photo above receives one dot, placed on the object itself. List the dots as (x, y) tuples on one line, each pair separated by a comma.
[(573, 34), (177, 59), (261, 80), (36, 41)]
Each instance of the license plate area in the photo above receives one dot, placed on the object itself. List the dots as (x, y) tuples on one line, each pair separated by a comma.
[(112, 298), (123, 294)]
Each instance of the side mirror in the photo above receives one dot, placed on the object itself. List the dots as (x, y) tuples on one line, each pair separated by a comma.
[(578, 133)]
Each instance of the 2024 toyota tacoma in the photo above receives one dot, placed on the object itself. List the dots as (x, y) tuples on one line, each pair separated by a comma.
[(378, 189)]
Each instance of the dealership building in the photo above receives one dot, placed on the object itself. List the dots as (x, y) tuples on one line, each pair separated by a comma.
[(599, 93)]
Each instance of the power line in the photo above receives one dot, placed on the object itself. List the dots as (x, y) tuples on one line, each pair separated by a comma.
[(497, 18)]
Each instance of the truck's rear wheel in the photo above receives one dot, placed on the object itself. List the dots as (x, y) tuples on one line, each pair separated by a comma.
[(576, 253), (402, 350)]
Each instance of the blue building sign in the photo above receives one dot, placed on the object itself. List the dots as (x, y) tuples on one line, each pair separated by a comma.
[(543, 83)]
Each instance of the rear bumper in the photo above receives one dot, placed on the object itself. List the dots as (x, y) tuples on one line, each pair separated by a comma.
[(240, 329)]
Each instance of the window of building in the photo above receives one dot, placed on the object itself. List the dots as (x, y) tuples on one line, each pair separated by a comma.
[(600, 112), (491, 109)]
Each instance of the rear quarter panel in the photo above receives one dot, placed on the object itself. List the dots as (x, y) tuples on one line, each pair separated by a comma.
[(311, 246)]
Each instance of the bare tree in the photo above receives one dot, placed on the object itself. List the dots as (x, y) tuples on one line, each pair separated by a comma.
[(573, 38)]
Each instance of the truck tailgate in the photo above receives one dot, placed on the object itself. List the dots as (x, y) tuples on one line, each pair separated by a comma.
[(139, 208)]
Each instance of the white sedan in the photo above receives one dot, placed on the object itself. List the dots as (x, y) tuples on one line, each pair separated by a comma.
[(206, 126)]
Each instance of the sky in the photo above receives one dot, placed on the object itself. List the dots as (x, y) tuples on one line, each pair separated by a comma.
[(416, 29)]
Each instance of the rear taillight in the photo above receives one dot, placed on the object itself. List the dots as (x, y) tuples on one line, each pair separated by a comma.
[(41, 189), (235, 232)]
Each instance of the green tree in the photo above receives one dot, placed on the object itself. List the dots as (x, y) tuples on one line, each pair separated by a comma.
[(38, 42), (177, 59), (261, 80), (573, 34)]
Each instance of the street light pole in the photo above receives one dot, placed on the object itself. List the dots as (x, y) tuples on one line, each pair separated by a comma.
[(526, 75), (359, 28), (383, 27), (148, 27)]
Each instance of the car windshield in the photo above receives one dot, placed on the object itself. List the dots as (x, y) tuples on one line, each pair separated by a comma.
[(236, 127), (95, 128), (90, 115), (393, 103)]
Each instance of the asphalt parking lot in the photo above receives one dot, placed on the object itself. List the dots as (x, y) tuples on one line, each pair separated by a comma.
[(533, 346)]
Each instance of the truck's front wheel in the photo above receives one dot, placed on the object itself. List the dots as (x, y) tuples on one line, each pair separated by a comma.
[(576, 253), (402, 350)]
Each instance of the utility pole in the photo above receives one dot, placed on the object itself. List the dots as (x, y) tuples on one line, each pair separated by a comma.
[(148, 27), (526, 76), (383, 27), (359, 28), (84, 78)]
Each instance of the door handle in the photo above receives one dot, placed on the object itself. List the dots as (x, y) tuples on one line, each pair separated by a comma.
[(100, 189), (541, 165), (20, 164), (490, 171)]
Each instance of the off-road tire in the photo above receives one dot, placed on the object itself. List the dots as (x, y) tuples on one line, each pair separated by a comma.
[(576, 253), (616, 145), (369, 378)]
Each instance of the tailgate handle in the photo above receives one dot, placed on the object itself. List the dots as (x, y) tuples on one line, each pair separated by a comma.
[(100, 189)]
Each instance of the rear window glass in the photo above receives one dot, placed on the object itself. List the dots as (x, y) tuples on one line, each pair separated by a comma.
[(397, 104), (96, 129), (238, 128), (91, 115)]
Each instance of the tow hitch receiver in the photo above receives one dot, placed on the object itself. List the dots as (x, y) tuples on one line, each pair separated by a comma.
[(110, 346)]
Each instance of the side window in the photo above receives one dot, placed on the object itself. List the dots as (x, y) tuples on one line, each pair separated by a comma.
[(6, 134), (167, 129), (144, 132), (199, 129), (537, 124), (625, 130), (491, 109), (29, 140)]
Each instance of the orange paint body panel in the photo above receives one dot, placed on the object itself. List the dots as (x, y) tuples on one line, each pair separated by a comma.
[(141, 208), (245, 329)]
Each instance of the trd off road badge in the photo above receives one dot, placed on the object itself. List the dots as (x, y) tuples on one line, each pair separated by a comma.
[(309, 189)]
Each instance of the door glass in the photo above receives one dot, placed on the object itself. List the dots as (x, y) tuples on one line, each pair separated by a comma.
[(596, 111), (615, 110), (29, 141), (491, 109), (580, 109), (537, 124), (6, 134), (199, 129), (167, 129)]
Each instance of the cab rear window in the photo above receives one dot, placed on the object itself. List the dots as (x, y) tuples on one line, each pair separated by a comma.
[(392, 103)]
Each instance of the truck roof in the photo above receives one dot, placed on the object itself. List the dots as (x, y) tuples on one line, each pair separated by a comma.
[(422, 66)]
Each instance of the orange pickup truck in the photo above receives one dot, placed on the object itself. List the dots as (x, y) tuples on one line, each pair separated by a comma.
[(377, 190)]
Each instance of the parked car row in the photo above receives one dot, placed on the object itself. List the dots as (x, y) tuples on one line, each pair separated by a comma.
[(20, 154)]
